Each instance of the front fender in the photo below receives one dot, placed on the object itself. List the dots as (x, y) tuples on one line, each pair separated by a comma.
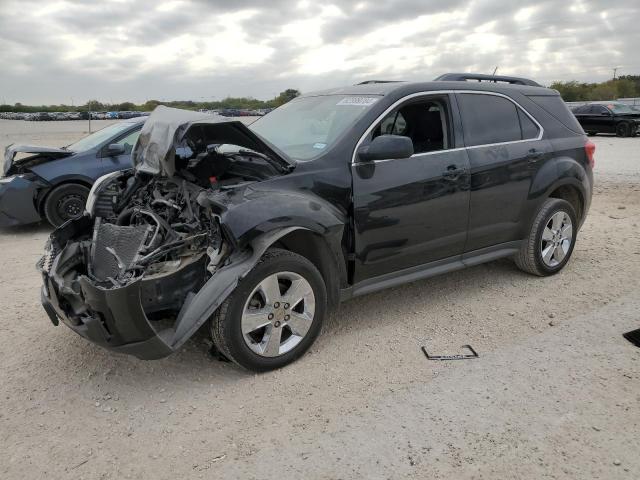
[(250, 213), (199, 307)]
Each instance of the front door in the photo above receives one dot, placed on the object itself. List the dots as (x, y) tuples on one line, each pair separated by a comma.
[(113, 163), (411, 211)]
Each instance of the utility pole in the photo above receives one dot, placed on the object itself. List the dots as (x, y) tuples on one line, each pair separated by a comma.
[(615, 70)]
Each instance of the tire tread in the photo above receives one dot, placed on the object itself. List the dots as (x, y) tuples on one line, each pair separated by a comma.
[(525, 259)]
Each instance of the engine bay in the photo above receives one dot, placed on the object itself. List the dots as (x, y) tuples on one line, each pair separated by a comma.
[(153, 225)]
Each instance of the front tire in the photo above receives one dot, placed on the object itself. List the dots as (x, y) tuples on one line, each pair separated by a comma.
[(551, 239), (274, 315), (65, 202)]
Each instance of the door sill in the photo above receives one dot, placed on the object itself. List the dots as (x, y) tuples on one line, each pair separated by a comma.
[(431, 269)]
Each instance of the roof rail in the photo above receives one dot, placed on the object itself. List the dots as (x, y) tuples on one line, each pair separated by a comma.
[(368, 82), (480, 77)]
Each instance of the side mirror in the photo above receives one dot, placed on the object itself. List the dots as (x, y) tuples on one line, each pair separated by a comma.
[(115, 149), (386, 147)]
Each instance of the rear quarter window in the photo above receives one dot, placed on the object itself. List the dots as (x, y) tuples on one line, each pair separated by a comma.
[(488, 119), (555, 106)]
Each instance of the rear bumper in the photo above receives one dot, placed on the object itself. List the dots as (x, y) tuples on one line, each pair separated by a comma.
[(18, 195)]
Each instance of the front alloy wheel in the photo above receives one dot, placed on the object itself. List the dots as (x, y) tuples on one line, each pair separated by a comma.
[(278, 314), (274, 314)]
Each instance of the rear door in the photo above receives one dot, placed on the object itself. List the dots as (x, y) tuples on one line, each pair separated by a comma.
[(414, 210), (505, 149)]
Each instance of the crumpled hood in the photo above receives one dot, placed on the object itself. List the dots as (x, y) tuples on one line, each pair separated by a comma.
[(166, 128), (11, 151)]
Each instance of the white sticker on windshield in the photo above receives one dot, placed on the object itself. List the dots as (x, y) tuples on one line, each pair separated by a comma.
[(358, 101), (319, 146)]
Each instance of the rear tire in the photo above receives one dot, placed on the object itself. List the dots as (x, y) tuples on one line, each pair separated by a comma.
[(550, 242), (623, 130), (65, 202), (256, 328)]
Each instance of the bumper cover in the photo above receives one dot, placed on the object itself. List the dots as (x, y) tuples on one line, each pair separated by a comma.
[(117, 321), (116, 318), (18, 196)]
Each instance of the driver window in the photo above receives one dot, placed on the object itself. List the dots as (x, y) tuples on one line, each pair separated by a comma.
[(129, 141), (425, 122)]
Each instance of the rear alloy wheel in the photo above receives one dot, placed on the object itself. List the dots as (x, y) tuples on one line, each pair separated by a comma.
[(623, 130), (65, 202), (550, 243), (274, 315)]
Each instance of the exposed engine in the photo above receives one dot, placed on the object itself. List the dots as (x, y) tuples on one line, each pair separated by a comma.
[(162, 227)]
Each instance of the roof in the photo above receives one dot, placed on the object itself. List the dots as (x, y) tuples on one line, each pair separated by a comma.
[(406, 88)]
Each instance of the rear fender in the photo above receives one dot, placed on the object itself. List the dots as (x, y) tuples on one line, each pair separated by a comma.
[(559, 172)]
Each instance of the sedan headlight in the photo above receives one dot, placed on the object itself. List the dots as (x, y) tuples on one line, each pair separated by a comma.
[(13, 177)]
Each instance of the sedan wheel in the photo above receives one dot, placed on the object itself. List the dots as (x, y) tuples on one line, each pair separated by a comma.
[(622, 130), (65, 202)]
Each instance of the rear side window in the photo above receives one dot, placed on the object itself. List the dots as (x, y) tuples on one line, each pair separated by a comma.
[(555, 107), (529, 129), (488, 119)]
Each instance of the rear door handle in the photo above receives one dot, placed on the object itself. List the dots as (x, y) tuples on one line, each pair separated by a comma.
[(534, 155)]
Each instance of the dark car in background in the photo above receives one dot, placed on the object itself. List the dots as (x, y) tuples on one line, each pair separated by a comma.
[(53, 183), (261, 229), (608, 117)]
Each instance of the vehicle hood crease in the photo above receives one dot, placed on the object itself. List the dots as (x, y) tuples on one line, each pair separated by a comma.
[(12, 150), (166, 128)]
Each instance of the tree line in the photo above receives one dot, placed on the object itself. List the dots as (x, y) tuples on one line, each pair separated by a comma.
[(572, 91), (239, 103), (625, 86)]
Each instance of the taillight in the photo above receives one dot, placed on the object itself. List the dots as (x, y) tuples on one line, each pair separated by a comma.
[(590, 149)]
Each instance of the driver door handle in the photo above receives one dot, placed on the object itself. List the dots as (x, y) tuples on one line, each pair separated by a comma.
[(452, 172)]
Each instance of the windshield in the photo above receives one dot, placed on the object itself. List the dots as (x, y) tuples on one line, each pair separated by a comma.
[(99, 137), (620, 108), (307, 126)]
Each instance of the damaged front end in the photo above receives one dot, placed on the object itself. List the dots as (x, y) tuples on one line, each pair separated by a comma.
[(150, 261)]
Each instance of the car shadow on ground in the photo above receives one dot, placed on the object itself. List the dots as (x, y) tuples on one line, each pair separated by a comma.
[(32, 228), (197, 359)]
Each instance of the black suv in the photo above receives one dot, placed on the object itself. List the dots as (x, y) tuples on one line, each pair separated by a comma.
[(608, 117), (260, 230)]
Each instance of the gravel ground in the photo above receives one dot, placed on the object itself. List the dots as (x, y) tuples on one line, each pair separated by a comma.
[(554, 394)]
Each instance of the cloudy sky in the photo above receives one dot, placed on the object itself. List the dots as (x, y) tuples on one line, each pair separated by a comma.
[(56, 51)]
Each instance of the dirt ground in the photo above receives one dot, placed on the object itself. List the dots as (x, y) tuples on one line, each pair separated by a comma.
[(555, 392)]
